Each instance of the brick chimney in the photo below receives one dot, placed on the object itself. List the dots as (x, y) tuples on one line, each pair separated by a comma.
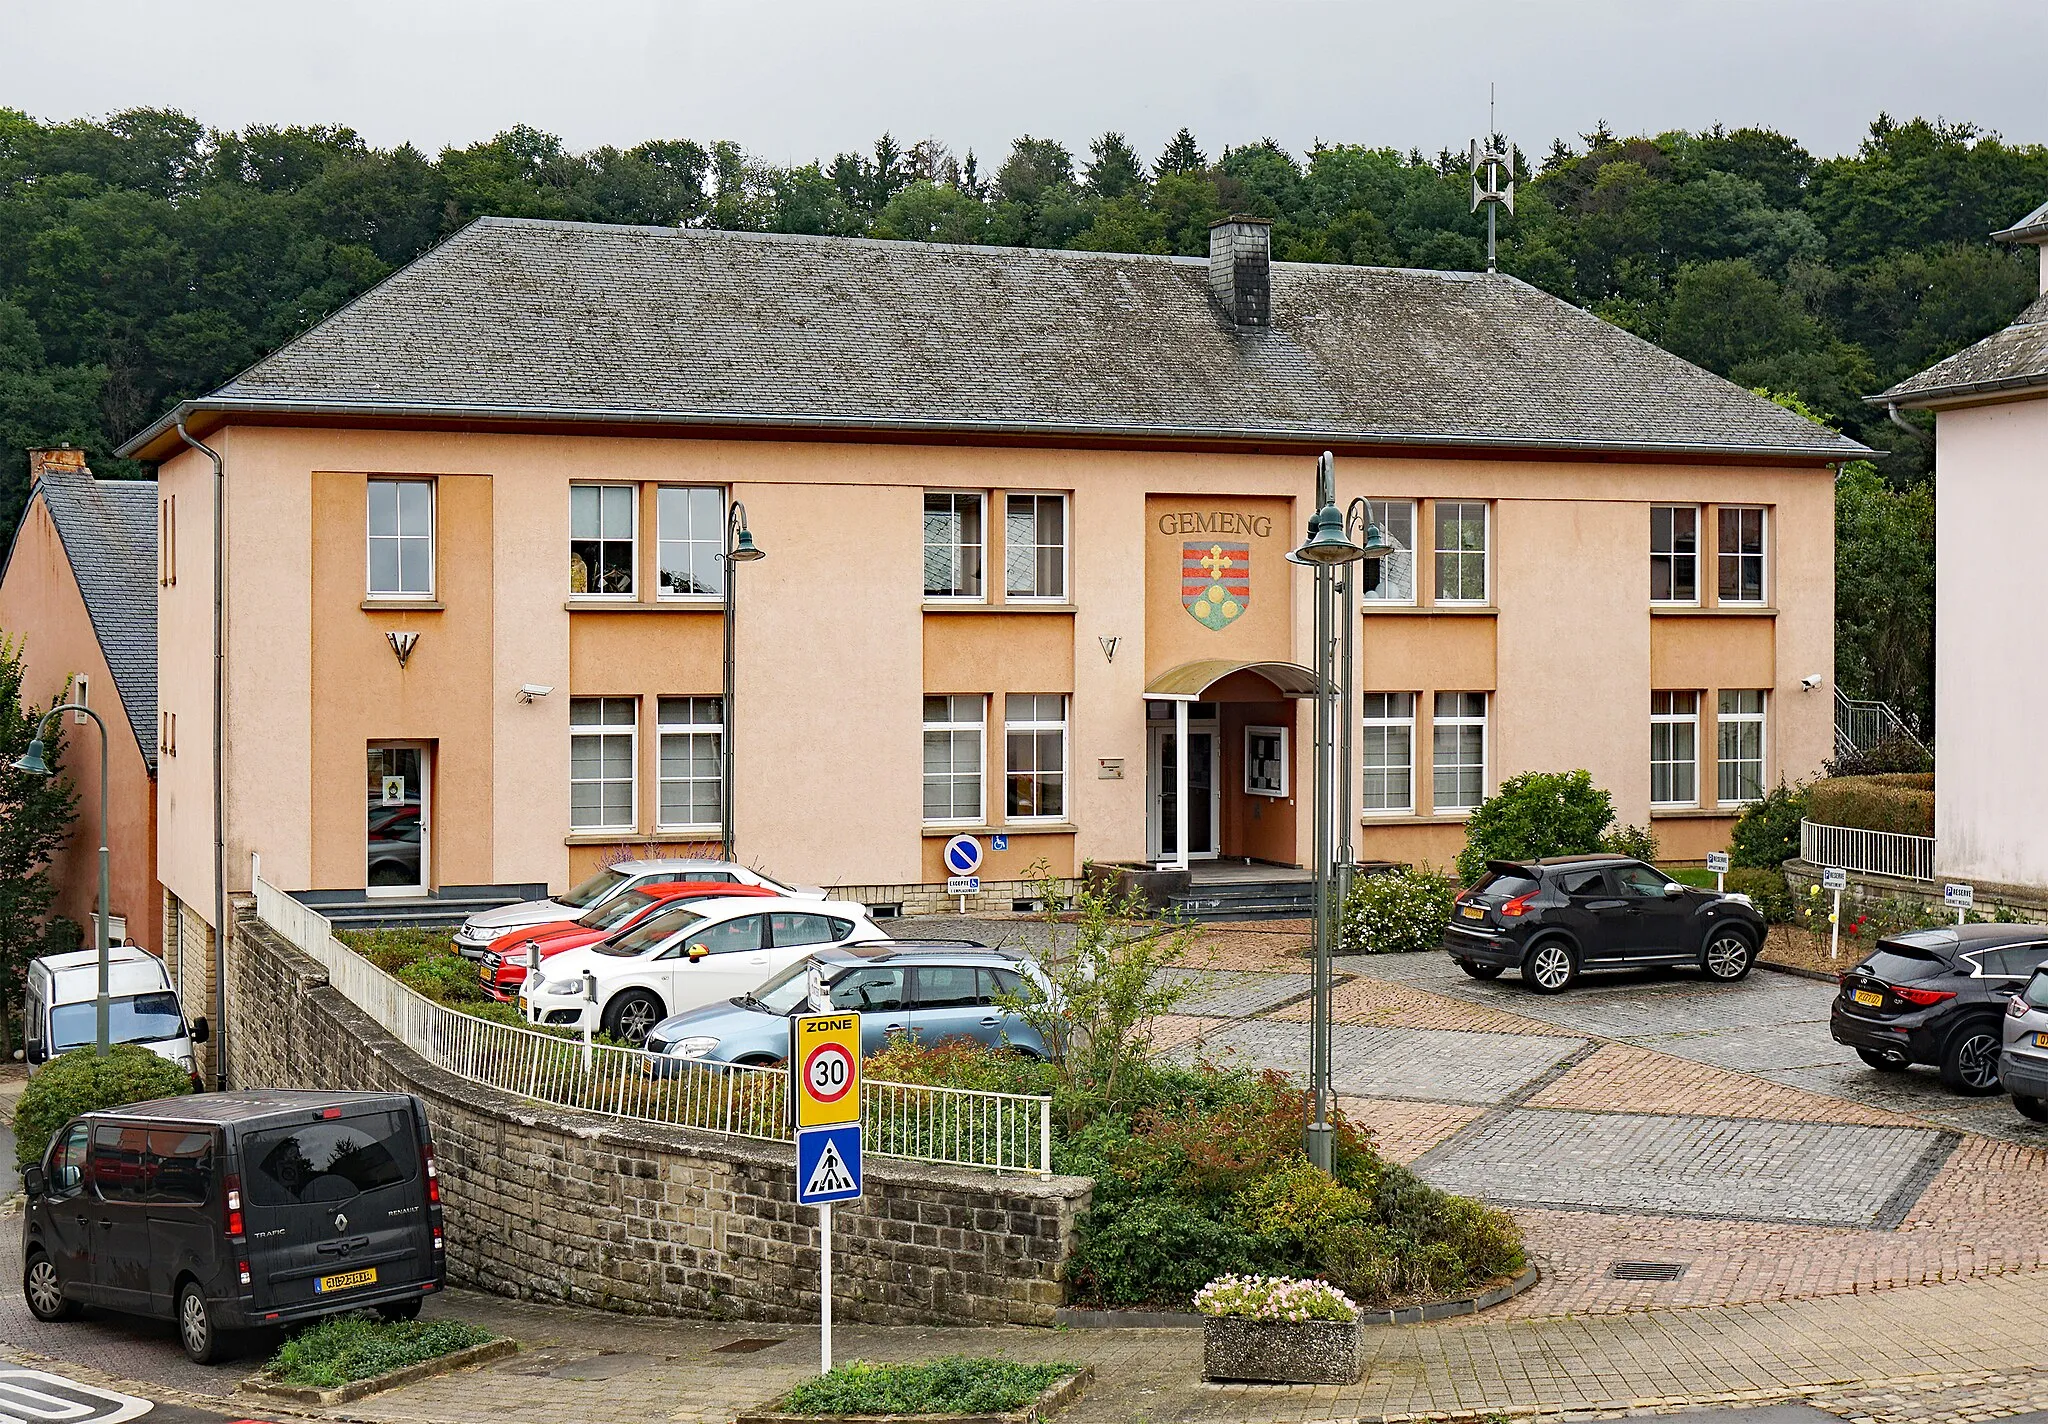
[(1241, 269), (64, 460)]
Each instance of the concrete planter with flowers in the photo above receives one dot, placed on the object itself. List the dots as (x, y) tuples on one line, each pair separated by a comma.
[(1278, 1330)]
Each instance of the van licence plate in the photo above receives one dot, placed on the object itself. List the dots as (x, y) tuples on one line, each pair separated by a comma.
[(1870, 997), (347, 1280)]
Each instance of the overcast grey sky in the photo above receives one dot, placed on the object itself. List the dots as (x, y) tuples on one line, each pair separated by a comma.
[(797, 79)]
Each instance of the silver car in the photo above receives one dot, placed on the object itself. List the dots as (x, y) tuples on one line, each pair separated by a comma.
[(2023, 1065)]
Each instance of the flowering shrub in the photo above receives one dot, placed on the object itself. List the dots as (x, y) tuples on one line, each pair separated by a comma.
[(1396, 912), (1278, 1298)]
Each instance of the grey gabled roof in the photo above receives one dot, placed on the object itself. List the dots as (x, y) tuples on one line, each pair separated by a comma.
[(2014, 359), (2031, 228), (514, 319), (109, 533)]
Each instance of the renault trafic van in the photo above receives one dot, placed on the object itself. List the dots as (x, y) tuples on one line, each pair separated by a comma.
[(60, 1006), (233, 1211)]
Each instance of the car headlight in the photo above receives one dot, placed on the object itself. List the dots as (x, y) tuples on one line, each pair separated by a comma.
[(692, 1047), (560, 987)]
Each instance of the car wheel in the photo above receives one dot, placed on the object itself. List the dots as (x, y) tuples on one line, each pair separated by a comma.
[(1883, 1062), (203, 1344), (44, 1292), (1728, 956), (400, 1310), (2031, 1108), (1551, 967), (1970, 1062), (1480, 971), (632, 1016)]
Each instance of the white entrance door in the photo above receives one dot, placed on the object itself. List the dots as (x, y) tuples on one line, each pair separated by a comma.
[(399, 842), (1205, 794)]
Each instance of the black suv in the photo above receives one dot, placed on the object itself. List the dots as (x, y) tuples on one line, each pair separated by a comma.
[(1554, 918), (1939, 997)]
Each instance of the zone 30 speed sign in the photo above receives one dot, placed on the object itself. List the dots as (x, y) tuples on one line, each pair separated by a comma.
[(824, 1060)]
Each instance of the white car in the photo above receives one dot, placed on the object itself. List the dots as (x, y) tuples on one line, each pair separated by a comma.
[(695, 954), (60, 1006), (480, 930)]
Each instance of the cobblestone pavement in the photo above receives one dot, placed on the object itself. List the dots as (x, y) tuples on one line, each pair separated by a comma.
[(1431, 1065)]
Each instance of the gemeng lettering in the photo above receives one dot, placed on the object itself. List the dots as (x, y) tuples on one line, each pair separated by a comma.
[(1187, 521)]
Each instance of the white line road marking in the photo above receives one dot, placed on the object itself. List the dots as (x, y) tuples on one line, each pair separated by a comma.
[(35, 1397)]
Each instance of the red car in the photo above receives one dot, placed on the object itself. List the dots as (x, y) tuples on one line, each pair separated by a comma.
[(504, 965)]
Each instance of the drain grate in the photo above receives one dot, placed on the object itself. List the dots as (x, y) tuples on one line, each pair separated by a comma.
[(1646, 1271), (743, 1347)]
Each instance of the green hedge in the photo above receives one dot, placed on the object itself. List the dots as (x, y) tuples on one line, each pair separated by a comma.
[(360, 1346), (80, 1082), (1396, 912), (1766, 890), (954, 1385), (1901, 803)]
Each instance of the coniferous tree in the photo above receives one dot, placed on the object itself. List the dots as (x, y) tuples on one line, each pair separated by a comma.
[(1115, 168), (1181, 155)]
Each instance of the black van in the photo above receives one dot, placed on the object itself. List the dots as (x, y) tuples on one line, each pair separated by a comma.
[(230, 1211)]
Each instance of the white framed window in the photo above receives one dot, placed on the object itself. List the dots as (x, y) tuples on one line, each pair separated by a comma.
[(955, 734), (1035, 756), (1461, 551), (953, 545), (1739, 730), (1388, 773), (1265, 761), (601, 539), (1741, 554), (1674, 553), (692, 763), (1396, 519), (1459, 743), (1674, 749), (602, 738), (689, 541), (1035, 547), (401, 538)]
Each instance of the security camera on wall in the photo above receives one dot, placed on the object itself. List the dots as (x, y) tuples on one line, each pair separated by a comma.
[(1811, 681), (529, 691)]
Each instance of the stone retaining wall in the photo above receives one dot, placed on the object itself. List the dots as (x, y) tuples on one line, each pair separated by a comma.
[(2022, 903), (554, 1204)]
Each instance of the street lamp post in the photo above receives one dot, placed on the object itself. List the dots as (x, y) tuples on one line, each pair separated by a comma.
[(32, 761), (739, 549), (1327, 550)]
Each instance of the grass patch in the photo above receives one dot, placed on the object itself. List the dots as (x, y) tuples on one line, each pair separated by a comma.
[(955, 1385), (1693, 875), (360, 1346)]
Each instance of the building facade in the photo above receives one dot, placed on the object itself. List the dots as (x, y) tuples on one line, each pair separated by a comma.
[(1991, 431), (1025, 518)]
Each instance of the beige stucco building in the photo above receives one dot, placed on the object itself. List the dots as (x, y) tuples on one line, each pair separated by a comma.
[(1991, 502), (1015, 505)]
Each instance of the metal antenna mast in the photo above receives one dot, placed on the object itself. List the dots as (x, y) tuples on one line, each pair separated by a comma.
[(1492, 155)]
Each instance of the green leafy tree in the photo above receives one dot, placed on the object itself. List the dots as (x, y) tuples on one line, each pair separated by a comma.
[(1884, 591), (36, 813), (1536, 814)]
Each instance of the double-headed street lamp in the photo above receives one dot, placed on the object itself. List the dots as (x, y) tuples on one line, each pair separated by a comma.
[(739, 549), (1328, 549), (32, 762)]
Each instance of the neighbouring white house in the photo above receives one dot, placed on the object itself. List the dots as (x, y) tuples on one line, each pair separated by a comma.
[(1991, 515)]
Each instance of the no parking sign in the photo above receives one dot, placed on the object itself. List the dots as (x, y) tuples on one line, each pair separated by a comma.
[(963, 855)]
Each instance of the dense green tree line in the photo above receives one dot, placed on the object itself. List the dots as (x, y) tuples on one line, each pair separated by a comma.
[(146, 258)]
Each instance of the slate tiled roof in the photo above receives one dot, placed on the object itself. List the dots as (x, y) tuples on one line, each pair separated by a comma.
[(519, 319), (2013, 359), (109, 533)]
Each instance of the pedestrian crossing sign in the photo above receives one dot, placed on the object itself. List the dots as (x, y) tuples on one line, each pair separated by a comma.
[(828, 1165)]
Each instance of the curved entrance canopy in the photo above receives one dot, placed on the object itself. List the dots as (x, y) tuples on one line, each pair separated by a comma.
[(1189, 681)]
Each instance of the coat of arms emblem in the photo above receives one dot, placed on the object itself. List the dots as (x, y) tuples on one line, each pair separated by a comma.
[(1215, 582)]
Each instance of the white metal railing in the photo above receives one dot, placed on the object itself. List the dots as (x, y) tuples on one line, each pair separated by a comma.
[(1860, 726), (1870, 852), (1007, 1132)]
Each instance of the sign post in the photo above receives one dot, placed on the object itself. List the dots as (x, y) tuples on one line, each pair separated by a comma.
[(1960, 898), (824, 1113), (1717, 861), (1836, 879), (962, 856)]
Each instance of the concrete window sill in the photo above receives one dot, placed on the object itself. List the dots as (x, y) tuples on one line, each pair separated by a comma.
[(1440, 610), (1733, 610), (1695, 813), (677, 605), (1066, 608), (403, 605), (1035, 828)]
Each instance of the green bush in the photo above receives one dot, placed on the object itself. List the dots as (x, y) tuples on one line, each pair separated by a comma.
[(79, 1082), (1635, 841), (1767, 833), (393, 950), (954, 1385), (1766, 890), (1900, 804), (360, 1346), (1895, 754), (1396, 912), (1536, 814)]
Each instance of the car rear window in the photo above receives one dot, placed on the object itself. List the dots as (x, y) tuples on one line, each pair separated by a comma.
[(330, 1161), (1503, 885), (1902, 964)]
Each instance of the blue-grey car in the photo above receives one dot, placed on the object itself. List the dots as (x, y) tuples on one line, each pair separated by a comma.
[(927, 990)]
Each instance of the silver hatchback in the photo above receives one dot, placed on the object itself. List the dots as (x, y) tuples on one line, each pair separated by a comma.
[(2023, 1064)]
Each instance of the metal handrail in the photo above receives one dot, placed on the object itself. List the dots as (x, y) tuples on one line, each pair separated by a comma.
[(1863, 724), (965, 1127), (1867, 852)]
